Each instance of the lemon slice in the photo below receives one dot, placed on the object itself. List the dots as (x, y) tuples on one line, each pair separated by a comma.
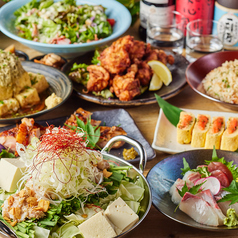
[(156, 83), (161, 70)]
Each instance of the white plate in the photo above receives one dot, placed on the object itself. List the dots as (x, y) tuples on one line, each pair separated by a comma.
[(165, 137)]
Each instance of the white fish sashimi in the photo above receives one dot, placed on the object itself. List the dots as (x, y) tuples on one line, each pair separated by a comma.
[(224, 206), (208, 197), (199, 209), (175, 197), (191, 177)]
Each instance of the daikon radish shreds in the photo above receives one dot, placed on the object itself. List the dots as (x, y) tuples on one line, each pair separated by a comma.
[(60, 166)]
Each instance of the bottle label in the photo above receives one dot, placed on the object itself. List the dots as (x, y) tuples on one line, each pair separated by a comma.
[(146, 10), (193, 10), (229, 17)]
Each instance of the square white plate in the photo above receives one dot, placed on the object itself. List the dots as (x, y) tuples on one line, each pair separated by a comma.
[(165, 136)]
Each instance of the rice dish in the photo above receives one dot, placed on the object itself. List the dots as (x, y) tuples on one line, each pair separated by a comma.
[(222, 82)]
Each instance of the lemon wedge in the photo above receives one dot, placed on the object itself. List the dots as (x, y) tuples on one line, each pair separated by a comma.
[(161, 70), (155, 83)]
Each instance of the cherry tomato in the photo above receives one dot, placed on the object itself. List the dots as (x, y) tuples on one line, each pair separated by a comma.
[(111, 22), (221, 177), (220, 166)]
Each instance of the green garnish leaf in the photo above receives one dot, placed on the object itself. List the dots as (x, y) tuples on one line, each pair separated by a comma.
[(186, 167), (233, 193), (171, 112), (193, 190), (6, 154), (203, 170), (95, 59), (92, 133)]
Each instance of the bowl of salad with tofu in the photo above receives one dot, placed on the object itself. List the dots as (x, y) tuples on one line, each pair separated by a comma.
[(64, 27), (59, 187)]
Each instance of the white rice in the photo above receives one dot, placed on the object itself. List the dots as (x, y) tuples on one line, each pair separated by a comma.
[(222, 82)]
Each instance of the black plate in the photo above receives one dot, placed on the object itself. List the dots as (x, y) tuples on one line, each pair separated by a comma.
[(110, 118), (178, 83), (22, 55), (162, 176)]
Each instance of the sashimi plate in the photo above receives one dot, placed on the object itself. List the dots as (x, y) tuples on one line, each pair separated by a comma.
[(162, 176), (165, 135)]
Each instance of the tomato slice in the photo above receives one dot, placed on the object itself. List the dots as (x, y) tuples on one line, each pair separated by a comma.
[(111, 22), (220, 166)]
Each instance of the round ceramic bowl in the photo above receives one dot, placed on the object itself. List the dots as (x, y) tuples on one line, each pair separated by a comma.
[(163, 175), (197, 71), (114, 10)]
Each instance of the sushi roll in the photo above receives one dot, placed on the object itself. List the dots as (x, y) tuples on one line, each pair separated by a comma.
[(200, 130), (185, 127), (229, 140), (214, 133)]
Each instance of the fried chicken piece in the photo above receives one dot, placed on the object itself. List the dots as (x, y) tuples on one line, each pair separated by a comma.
[(144, 72), (126, 87), (106, 133), (98, 78), (83, 115), (138, 50), (155, 54), (115, 59), (125, 42)]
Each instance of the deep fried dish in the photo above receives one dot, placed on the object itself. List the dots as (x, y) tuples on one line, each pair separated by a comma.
[(125, 62), (114, 60), (98, 78), (138, 50), (126, 87)]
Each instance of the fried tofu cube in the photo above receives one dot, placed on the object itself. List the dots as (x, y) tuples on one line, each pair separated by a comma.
[(6, 92), (8, 106), (38, 81), (28, 97), (22, 82), (52, 101)]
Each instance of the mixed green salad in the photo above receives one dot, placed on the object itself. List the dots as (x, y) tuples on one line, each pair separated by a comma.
[(62, 22), (63, 170)]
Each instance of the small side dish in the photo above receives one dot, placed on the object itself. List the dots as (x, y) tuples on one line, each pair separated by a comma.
[(207, 193), (50, 59), (21, 90), (62, 22), (221, 82), (208, 133)]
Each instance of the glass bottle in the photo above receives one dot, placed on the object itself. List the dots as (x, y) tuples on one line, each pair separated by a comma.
[(152, 7)]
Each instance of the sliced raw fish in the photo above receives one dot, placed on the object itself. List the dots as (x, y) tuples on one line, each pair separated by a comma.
[(208, 197), (199, 209), (191, 177), (175, 197)]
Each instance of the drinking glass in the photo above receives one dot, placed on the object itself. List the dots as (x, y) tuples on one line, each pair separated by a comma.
[(203, 37), (166, 31)]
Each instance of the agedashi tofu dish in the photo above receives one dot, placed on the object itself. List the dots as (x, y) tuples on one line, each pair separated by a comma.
[(59, 187), (206, 132), (21, 90)]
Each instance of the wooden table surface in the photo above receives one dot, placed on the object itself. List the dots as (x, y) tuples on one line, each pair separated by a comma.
[(155, 224)]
